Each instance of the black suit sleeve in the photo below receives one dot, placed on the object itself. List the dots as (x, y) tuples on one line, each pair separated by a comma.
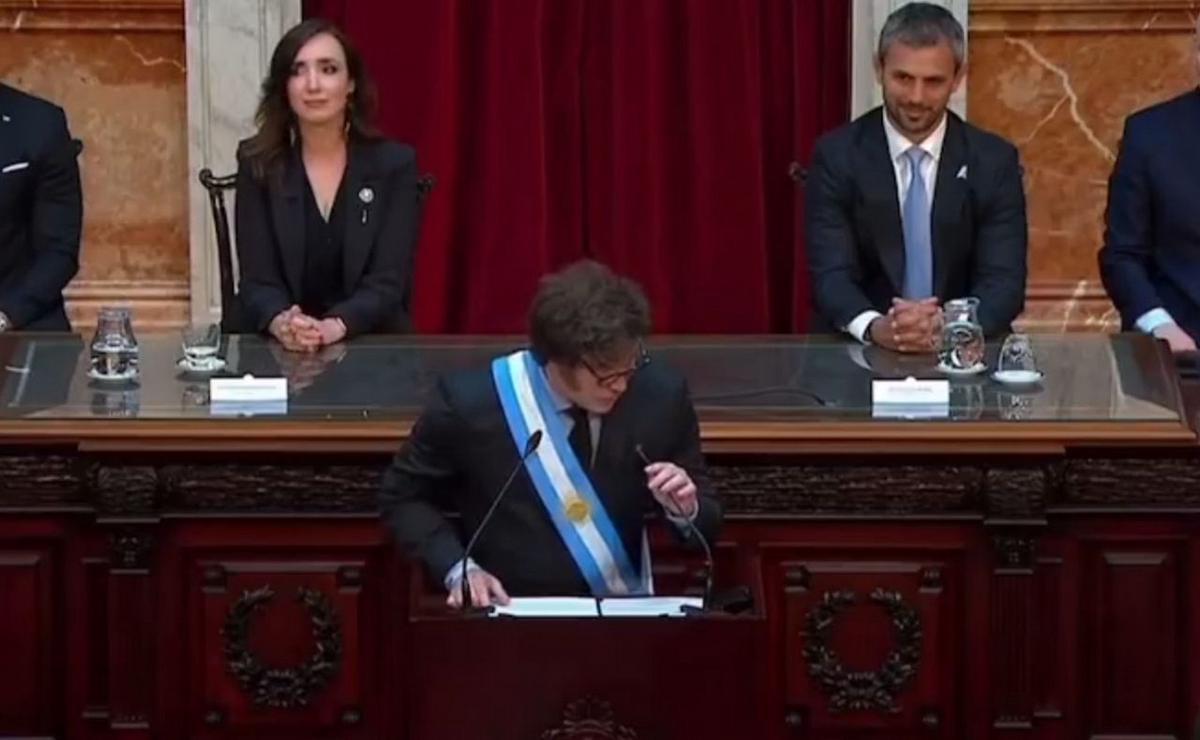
[(1127, 251), (829, 234), (415, 486), (1001, 244), (379, 295), (55, 226), (687, 455), (261, 287)]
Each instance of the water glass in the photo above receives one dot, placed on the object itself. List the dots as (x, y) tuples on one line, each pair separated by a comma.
[(1017, 360), (201, 343)]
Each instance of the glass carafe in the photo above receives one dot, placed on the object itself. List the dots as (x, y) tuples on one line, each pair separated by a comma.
[(962, 336), (114, 350)]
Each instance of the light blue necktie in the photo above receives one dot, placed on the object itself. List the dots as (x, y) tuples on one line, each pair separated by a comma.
[(918, 244)]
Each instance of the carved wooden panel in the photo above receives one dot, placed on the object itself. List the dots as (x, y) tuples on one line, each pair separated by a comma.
[(1133, 613), (30, 641), (278, 641), (871, 643)]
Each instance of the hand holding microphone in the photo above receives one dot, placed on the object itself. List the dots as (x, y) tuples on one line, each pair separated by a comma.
[(674, 489), (671, 486)]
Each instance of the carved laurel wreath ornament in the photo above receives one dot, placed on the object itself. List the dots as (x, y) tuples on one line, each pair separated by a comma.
[(862, 690), (282, 688)]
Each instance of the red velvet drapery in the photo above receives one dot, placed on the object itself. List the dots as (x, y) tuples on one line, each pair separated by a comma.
[(653, 135)]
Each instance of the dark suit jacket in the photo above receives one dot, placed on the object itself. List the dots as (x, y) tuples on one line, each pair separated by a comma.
[(1151, 252), (41, 211), (378, 250), (855, 239), (461, 451)]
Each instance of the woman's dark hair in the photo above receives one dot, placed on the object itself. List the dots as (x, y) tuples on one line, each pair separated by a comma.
[(266, 150), (587, 312)]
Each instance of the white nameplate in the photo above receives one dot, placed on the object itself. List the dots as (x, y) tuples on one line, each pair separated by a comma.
[(247, 388), (910, 398), (248, 408)]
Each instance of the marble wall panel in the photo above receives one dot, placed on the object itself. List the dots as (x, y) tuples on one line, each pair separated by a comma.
[(118, 69), (1058, 78)]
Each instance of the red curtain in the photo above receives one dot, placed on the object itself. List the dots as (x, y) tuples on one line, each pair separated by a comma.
[(653, 135)]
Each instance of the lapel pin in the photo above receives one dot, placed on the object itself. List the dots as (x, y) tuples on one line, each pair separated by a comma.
[(5, 118), (962, 173), (366, 195)]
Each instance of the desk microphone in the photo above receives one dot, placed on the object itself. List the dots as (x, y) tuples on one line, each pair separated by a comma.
[(531, 446), (708, 556)]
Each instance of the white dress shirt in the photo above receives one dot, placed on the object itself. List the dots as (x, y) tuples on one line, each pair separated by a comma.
[(897, 146)]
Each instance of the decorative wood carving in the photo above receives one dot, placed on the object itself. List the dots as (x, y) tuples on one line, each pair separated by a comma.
[(1133, 484), (589, 719), (1014, 551), (282, 688), (124, 489), (813, 489), (877, 690), (281, 488), (39, 480), (131, 548)]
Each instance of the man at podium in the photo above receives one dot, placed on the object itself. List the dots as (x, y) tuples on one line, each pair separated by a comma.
[(571, 442)]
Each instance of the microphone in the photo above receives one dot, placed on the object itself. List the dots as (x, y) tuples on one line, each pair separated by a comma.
[(708, 556), (531, 446)]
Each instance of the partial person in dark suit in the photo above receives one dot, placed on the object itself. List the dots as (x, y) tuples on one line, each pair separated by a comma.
[(1150, 261), (41, 212), (602, 404), (326, 207), (909, 206)]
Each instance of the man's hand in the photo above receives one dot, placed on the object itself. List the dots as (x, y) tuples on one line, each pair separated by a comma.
[(332, 330), (485, 589), (909, 326), (673, 488), (295, 331), (1176, 338)]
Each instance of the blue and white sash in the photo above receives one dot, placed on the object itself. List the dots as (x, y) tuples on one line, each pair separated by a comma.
[(561, 483)]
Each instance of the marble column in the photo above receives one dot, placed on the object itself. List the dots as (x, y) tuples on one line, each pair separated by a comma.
[(229, 45), (867, 19)]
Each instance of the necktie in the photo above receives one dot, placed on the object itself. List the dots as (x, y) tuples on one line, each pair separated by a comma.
[(580, 437), (918, 244)]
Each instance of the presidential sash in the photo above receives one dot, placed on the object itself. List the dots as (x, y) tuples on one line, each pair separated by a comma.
[(561, 482)]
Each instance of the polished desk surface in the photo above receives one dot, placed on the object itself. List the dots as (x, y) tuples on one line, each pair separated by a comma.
[(768, 393)]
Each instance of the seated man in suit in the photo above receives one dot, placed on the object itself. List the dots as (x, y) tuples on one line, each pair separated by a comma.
[(618, 434), (41, 211), (1150, 261), (909, 206)]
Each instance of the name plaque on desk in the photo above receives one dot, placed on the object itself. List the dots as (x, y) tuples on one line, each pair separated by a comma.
[(910, 398), (248, 389)]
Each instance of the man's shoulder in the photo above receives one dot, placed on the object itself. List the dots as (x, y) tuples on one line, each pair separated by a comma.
[(987, 144), (28, 109), (659, 381), (849, 135), (1164, 113)]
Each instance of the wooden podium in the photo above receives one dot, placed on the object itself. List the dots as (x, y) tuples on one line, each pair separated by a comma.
[(476, 676)]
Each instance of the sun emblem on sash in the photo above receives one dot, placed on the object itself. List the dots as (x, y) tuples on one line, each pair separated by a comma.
[(577, 509)]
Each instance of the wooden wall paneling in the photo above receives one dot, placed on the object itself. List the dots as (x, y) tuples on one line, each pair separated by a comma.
[(1133, 612), (30, 643), (248, 616), (906, 605)]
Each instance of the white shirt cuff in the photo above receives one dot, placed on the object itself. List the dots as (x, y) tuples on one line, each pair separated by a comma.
[(1153, 319), (454, 575), (857, 327)]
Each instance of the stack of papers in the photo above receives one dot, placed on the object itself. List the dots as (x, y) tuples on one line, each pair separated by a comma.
[(653, 606)]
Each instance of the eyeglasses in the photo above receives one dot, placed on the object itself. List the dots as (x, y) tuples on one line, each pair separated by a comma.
[(608, 380)]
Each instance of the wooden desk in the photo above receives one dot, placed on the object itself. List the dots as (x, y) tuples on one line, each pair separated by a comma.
[(1026, 565)]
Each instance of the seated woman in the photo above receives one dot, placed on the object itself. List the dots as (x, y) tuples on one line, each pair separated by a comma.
[(326, 207)]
